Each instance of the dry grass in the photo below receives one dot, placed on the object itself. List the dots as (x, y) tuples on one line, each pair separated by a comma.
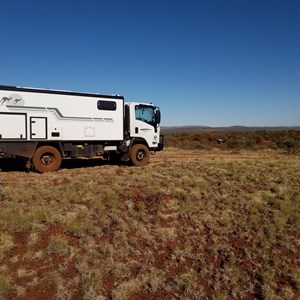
[(190, 225)]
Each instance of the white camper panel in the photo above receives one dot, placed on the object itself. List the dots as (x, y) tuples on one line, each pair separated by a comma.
[(12, 126), (60, 117)]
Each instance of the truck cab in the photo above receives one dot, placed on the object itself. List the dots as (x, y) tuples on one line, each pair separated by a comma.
[(142, 122)]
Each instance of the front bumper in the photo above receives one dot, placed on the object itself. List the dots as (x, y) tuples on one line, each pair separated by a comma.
[(160, 146)]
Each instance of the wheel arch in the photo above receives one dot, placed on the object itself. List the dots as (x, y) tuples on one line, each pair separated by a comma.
[(56, 145), (139, 141)]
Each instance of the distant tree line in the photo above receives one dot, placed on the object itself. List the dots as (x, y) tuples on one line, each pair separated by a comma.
[(288, 140)]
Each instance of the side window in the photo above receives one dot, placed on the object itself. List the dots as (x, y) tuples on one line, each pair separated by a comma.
[(106, 105), (145, 114)]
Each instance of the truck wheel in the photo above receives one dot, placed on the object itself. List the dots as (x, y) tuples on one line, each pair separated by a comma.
[(46, 159), (139, 155)]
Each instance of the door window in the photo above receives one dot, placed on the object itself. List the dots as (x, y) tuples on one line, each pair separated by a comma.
[(145, 114)]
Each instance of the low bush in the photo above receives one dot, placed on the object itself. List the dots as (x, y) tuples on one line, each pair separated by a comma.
[(240, 142), (290, 145), (289, 140)]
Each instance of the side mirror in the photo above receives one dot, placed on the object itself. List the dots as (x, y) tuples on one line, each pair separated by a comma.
[(157, 117)]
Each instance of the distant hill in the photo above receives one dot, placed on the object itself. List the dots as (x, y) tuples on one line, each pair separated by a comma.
[(229, 128)]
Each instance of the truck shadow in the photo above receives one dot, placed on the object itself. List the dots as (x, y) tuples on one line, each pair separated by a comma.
[(18, 164), (12, 164), (83, 163)]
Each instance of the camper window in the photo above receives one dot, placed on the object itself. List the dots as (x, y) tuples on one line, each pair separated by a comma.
[(106, 105)]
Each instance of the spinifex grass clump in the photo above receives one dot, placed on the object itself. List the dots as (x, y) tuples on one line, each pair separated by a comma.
[(189, 225)]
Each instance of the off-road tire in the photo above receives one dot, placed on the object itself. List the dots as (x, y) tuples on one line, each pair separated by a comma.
[(139, 155), (46, 159)]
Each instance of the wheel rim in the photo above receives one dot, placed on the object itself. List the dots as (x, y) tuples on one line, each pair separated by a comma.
[(140, 155), (47, 160)]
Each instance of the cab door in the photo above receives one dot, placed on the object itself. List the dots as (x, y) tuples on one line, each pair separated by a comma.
[(144, 124)]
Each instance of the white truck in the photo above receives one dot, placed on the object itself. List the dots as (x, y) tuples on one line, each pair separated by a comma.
[(44, 126)]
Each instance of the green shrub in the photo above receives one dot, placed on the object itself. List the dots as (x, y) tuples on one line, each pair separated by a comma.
[(199, 139), (240, 142), (290, 145)]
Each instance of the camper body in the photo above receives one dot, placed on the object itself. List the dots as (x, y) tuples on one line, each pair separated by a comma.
[(45, 126)]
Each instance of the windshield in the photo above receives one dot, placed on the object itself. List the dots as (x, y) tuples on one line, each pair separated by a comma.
[(145, 114)]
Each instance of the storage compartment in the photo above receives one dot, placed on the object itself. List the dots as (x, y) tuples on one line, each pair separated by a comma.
[(13, 126)]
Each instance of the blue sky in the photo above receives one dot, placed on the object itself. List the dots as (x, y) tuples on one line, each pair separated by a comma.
[(204, 62)]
